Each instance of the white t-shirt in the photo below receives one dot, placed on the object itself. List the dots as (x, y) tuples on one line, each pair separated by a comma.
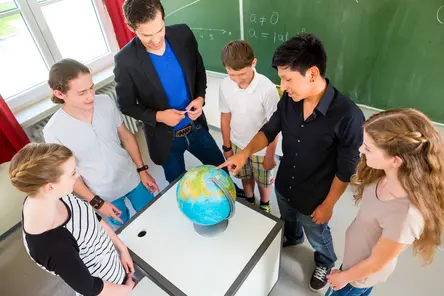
[(250, 108), (106, 168)]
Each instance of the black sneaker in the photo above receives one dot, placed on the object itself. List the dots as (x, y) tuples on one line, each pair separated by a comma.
[(240, 192), (319, 278)]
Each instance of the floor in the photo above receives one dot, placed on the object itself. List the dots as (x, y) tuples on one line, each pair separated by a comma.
[(20, 276)]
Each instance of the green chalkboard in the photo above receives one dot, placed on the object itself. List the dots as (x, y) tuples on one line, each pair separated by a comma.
[(214, 23), (381, 53)]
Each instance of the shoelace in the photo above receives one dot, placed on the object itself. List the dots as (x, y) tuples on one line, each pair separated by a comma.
[(320, 273)]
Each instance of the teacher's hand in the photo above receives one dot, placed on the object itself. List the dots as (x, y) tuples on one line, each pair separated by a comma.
[(194, 109), (170, 117)]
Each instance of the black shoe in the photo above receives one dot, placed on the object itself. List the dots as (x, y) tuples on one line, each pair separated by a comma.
[(239, 192), (319, 278)]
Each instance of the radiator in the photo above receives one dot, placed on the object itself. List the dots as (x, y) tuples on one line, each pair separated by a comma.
[(35, 132)]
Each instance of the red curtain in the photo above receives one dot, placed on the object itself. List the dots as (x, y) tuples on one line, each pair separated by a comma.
[(12, 136), (123, 34)]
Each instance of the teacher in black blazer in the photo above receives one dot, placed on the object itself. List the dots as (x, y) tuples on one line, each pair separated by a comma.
[(161, 81)]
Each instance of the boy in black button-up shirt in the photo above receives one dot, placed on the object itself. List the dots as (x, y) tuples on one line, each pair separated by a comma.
[(321, 134)]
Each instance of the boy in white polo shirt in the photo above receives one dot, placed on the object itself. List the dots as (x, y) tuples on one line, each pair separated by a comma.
[(247, 100)]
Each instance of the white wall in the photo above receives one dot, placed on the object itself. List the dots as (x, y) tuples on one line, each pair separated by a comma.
[(212, 99)]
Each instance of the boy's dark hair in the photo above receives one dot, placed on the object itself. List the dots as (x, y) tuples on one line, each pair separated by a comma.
[(237, 55), (137, 12), (61, 73), (301, 53)]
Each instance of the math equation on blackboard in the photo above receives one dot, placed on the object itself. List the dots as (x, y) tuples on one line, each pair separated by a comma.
[(264, 27)]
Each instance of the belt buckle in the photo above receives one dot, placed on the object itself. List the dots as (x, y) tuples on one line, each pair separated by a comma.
[(184, 131)]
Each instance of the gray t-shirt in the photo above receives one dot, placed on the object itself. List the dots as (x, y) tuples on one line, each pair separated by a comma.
[(106, 168), (398, 220)]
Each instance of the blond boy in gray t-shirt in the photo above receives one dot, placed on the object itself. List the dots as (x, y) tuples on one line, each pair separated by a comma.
[(107, 154)]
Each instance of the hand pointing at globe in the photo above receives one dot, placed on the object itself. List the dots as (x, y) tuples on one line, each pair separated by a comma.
[(235, 162)]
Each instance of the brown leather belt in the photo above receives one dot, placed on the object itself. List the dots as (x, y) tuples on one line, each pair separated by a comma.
[(183, 131)]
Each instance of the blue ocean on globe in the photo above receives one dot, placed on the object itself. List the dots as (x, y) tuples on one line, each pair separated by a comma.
[(204, 193)]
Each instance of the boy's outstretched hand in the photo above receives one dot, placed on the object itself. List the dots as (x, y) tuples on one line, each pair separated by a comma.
[(235, 163)]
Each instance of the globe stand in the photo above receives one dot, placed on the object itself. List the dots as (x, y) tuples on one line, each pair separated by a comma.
[(211, 230)]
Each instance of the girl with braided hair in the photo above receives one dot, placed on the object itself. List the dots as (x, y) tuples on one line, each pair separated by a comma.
[(399, 184), (62, 233)]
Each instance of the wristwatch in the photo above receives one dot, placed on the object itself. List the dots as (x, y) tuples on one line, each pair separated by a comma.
[(226, 149), (143, 168), (96, 202)]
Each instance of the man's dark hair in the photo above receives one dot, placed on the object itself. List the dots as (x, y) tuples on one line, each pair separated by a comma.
[(300, 53), (137, 12), (237, 55)]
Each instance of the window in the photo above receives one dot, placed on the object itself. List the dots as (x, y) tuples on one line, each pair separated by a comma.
[(34, 34)]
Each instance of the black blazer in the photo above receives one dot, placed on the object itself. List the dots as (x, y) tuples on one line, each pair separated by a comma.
[(140, 93)]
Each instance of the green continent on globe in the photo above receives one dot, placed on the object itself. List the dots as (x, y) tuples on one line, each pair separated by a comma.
[(199, 183), (203, 195)]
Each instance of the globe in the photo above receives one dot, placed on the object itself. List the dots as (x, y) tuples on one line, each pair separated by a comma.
[(206, 196)]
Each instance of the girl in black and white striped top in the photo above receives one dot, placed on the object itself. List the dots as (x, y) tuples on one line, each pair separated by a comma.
[(64, 235)]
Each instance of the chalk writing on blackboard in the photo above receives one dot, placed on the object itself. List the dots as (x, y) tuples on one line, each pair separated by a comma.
[(437, 15), (180, 8), (274, 18), (261, 25), (210, 33)]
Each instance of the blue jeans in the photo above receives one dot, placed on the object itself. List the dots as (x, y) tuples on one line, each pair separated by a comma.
[(318, 235), (198, 142), (139, 198), (349, 290)]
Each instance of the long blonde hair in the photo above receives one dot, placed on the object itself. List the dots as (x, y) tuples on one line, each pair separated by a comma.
[(410, 135), (36, 165)]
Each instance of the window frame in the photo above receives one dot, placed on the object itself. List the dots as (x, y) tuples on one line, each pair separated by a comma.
[(32, 15)]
